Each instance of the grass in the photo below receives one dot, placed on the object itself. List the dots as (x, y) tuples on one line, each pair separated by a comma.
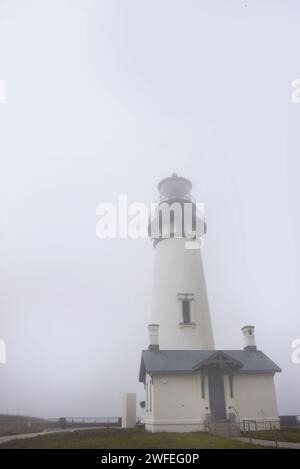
[(292, 436), (16, 424), (121, 439), (19, 424)]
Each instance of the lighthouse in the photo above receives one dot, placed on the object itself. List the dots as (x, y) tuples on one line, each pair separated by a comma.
[(179, 299), (189, 385)]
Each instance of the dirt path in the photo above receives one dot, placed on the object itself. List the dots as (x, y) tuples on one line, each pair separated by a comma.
[(24, 436)]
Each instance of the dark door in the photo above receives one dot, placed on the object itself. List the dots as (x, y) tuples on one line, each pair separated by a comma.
[(216, 395)]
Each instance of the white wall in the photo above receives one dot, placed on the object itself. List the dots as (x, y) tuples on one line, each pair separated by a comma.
[(129, 410), (254, 396), (177, 403), (179, 270)]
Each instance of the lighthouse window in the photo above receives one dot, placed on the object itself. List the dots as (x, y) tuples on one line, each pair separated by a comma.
[(186, 311)]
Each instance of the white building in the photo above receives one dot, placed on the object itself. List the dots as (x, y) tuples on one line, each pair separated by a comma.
[(189, 385)]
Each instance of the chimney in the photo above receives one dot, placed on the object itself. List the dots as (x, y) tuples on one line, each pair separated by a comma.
[(249, 338), (153, 337)]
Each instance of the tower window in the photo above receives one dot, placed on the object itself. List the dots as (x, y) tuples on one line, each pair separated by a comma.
[(186, 311)]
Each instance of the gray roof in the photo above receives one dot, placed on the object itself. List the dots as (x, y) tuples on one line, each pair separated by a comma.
[(189, 361)]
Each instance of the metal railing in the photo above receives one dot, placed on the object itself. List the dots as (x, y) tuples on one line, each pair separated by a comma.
[(236, 414), (175, 197), (69, 422), (247, 425), (272, 430)]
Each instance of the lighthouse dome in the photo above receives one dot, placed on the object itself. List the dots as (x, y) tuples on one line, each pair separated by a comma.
[(175, 187)]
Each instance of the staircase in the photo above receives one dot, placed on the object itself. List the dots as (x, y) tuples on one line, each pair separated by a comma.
[(224, 428)]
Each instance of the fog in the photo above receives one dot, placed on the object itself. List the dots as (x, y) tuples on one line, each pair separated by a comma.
[(107, 98)]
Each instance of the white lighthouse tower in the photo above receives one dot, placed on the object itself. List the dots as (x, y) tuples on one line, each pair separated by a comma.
[(188, 385), (180, 304)]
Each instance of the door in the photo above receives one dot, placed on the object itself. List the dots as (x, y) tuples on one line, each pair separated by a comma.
[(216, 395)]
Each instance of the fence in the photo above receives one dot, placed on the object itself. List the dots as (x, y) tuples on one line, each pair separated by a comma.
[(274, 430), (73, 422), (259, 425)]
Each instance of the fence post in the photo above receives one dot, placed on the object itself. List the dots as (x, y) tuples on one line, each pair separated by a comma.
[(249, 433), (275, 437)]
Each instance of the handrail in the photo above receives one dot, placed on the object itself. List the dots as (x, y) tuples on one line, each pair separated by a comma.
[(236, 412)]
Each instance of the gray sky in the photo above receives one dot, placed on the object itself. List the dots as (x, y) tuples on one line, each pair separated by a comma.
[(106, 98)]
